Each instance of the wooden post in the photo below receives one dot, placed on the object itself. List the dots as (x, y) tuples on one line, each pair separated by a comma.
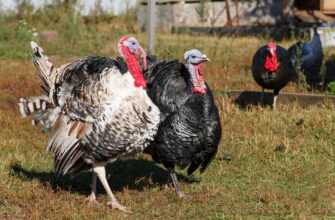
[(229, 22), (287, 14), (151, 25), (237, 10)]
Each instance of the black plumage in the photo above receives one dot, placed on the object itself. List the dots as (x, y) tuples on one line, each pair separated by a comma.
[(189, 132), (277, 73), (308, 58)]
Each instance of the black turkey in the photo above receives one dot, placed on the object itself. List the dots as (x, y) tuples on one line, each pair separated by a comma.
[(308, 58), (189, 132), (272, 69), (101, 111)]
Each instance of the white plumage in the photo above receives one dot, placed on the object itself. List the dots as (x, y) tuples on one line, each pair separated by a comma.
[(98, 112)]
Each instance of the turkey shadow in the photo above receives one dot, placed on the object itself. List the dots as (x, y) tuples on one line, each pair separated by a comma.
[(132, 174), (251, 98)]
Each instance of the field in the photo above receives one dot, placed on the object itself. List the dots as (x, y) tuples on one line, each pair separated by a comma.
[(270, 165)]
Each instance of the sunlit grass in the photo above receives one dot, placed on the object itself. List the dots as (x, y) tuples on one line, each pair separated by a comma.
[(250, 177), (270, 164)]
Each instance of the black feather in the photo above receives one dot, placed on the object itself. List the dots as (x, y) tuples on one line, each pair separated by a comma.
[(276, 80), (190, 130), (93, 65)]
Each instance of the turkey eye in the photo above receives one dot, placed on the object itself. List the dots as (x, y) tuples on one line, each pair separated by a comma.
[(149, 109), (193, 57)]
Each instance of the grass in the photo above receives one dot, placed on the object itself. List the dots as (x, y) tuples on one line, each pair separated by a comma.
[(296, 182), (270, 164)]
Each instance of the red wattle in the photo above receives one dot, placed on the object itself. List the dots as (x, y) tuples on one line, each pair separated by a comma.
[(271, 63), (198, 90), (134, 67), (199, 83)]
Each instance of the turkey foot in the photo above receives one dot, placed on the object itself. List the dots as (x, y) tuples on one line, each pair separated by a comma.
[(91, 199), (181, 195), (175, 182), (113, 203), (116, 205)]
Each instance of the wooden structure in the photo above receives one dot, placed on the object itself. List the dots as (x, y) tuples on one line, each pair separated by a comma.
[(233, 13), (251, 98), (212, 13), (327, 6), (151, 25), (315, 10)]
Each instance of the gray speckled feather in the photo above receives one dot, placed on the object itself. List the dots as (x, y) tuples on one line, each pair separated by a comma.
[(101, 114), (121, 119)]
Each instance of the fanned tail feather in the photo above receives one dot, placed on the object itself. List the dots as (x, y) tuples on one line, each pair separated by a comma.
[(40, 109), (44, 66), (65, 144), (30, 105)]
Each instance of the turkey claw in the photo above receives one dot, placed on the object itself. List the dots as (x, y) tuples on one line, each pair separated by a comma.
[(117, 205), (91, 199), (183, 196)]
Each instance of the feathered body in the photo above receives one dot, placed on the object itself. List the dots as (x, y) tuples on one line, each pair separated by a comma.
[(103, 113), (277, 79), (308, 57), (189, 132), (97, 109), (272, 69)]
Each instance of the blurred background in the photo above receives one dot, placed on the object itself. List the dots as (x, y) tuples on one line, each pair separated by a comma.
[(228, 31)]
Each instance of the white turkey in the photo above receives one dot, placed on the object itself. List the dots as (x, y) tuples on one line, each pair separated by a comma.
[(98, 111)]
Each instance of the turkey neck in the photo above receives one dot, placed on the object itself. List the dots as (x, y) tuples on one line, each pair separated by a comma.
[(134, 68), (197, 78)]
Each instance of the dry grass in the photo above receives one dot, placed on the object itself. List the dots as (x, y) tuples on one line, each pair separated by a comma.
[(248, 179)]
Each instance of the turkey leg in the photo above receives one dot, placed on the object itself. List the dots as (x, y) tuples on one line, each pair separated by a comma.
[(262, 97), (275, 97), (113, 203), (176, 184), (92, 197)]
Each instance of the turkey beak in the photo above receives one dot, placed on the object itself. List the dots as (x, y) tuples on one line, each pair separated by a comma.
[(205, 58)]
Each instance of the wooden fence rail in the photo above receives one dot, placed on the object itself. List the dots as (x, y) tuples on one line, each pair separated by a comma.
[(249, 98)]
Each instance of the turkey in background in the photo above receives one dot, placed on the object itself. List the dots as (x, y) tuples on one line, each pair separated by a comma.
[(307, 57), (272, 69)]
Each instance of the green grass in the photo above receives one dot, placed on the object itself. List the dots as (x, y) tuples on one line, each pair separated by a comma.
[(250, 178), (297, 182)]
